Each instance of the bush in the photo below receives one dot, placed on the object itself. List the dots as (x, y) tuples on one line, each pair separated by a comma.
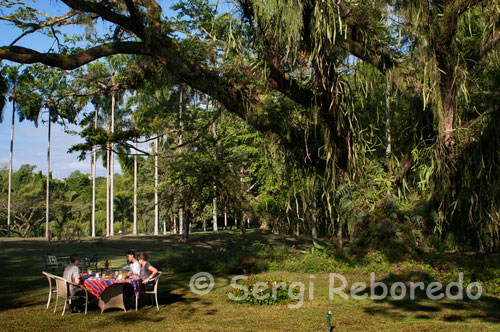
[(263, 291)]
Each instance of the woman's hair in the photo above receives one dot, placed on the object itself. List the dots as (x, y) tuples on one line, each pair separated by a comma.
[(143, 256), (130, 252)]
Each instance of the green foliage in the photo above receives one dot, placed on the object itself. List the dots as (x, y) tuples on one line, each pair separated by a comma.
[(263, 291)]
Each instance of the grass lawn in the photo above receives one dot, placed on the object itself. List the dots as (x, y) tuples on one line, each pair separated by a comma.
[(24, 294)]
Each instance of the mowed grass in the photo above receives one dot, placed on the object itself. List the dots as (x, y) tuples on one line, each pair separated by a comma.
[(24, 295)]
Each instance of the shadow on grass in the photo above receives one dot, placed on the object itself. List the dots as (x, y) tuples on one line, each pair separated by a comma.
[(421, 307)]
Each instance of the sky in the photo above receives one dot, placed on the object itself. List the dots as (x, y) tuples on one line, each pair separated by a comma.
[(30, 143)]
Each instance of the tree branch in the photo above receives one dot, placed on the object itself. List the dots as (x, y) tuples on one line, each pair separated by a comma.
[(105, 10), (69, 62)]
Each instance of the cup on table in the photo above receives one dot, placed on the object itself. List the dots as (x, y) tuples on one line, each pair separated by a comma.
[(97, 275)]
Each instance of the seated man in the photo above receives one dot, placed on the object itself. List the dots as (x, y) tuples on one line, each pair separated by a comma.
[(72, 274)]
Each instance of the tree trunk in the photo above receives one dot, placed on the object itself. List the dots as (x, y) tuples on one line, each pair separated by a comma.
[(134, 231), (214, 200), (242, 220), (388, 82), (47, 200), (185, 228), (156, 187), (313, 207), (175, 224), (340, 241), (242, 224), (107, 187), (214, 212), (225, 217), (181, 221), (448, 92), (92, 233), (112, 182), (181, 127), (10, 165)]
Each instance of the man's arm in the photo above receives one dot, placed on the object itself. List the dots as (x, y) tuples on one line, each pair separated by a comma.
[(75, 278)]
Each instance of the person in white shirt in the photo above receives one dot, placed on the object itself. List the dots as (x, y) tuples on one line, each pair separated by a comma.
[(132, 263)]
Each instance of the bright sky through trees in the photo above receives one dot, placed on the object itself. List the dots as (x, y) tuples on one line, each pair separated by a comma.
[(30, 143)]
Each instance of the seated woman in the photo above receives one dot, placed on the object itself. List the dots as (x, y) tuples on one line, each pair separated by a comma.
[(132, 263), (147, 272)]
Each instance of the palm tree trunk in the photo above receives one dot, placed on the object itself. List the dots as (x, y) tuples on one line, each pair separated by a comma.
[(47, 201), (156, 187), (242, 221), (107, 186), (92, 234), (214, 212), (181, 221), (175, 223), (10, 164), (112, 171), (134, 231), (214, 200), (181, 127)]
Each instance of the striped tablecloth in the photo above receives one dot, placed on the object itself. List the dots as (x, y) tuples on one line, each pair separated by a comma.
[(97, 285)]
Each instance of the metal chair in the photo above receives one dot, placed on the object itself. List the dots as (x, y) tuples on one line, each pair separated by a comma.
[(62, 291), (63, 261), (50, 277), (88, 261), (51, 262), (154, 292)]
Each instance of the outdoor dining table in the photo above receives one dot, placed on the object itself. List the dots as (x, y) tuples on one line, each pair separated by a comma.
[(97, 285), (109, 290)]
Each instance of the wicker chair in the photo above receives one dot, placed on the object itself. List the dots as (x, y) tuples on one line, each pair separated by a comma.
[(112, 297), (50, 277), (154, 292), (62, 291)]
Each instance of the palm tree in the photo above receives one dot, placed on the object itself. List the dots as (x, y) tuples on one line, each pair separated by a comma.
[(4, 89), (134, 231), (9, 80), (156, 187)]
